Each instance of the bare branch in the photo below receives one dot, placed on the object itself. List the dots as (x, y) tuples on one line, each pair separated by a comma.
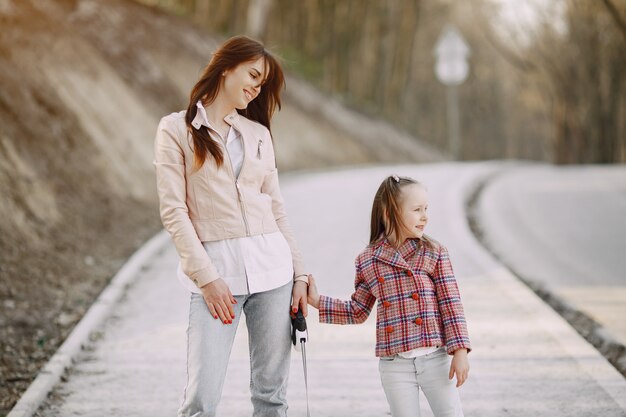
[(615, 15), (508, 54)]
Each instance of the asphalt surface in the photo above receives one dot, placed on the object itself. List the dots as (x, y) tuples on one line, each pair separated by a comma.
[(563, 228), (527, 361)]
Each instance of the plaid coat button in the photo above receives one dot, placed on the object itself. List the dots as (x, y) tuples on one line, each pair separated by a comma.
[(386, 304), (418, 321), (381, 279), (415, 296), (389, 329)]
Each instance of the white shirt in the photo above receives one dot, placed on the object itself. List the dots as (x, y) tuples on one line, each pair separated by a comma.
[(248, 264), (414, 353)]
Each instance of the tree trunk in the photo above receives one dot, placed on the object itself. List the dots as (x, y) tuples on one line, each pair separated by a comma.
[(258, 12)]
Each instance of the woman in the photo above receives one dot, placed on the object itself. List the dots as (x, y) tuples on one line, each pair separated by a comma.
[(220, 201)]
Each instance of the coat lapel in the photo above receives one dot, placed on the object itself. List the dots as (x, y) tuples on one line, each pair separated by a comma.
[(389, 255), (234, 119)]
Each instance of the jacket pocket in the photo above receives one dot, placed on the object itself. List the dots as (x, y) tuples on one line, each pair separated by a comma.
[(202, 199), (259, 208)]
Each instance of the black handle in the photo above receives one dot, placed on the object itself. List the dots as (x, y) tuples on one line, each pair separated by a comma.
[(299, 323)]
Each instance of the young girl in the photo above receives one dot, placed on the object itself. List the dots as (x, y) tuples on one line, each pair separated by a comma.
[(221, 202), (419, 318)]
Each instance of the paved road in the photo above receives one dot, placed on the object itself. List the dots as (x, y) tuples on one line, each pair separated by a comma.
[(565, 228), (526, 362)]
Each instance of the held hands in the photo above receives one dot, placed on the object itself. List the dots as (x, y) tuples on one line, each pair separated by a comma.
[(219, 300), (459, 366), (313, 297)]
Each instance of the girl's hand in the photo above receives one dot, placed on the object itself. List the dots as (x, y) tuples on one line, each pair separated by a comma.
[(220, 300), (459, 366), (298, 295), (314, 296)]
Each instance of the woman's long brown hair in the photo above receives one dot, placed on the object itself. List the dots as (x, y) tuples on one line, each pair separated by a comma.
[(233, 52)]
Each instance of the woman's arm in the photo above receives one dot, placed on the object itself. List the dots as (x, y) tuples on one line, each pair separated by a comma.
[(271, 187), (169, 162)]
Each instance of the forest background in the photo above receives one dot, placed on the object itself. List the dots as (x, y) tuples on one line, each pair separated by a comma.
[(83, 84), (546, 80)]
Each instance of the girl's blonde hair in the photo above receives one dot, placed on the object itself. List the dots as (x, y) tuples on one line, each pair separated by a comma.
[(386, 216)]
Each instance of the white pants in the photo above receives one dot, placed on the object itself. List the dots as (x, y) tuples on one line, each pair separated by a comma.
[(402, 379)]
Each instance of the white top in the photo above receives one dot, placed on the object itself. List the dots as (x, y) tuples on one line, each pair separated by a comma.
[(414, 353), (248, 264)]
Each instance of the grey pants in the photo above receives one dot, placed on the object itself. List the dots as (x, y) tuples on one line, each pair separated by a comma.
[(209, 343), (402, 379)]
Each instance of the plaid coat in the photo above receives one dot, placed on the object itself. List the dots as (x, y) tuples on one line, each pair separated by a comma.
[(419, 304)]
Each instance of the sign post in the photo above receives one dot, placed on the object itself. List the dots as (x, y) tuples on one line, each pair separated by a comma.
[(451, 67)]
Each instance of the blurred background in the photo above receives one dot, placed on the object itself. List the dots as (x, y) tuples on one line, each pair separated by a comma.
[(83, 84), (546, 77)]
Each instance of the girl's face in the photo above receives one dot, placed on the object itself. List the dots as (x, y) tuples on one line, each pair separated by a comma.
[(242, 84), (413, 206)]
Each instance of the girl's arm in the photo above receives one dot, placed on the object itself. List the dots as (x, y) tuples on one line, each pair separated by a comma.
[(449, 303), (336, 311), (459, 367), (313, 296)]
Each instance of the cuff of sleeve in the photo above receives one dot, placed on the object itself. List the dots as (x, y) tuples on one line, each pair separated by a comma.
[(204, 276), (454, 347), (325, 309)]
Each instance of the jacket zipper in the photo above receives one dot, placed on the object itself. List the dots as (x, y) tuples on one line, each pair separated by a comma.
[(237, 186), (243, 212)]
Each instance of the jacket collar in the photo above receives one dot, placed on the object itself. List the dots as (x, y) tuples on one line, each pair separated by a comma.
[(384, 252), (202, 119)]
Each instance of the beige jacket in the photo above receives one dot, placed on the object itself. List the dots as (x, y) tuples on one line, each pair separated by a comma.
[(211, 204)]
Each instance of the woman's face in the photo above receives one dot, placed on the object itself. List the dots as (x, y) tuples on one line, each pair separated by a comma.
[(242, 84)]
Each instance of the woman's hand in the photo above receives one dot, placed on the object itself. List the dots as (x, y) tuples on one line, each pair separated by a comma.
[(314, 296), (459, 366), (220, 300), (298, 295)]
